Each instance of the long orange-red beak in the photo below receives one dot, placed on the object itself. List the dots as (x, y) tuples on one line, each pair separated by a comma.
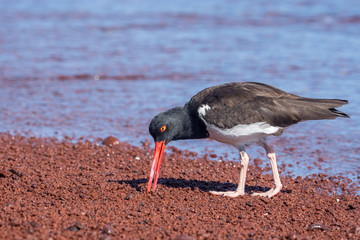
[(155, 167)]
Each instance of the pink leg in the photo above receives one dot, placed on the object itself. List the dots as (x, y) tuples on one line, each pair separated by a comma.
[(240, 190), (278, 186)]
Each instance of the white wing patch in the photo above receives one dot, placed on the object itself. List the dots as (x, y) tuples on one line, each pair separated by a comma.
[(202, 109)]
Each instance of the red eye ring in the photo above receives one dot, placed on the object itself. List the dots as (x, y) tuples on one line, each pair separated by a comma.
[(163, 128)]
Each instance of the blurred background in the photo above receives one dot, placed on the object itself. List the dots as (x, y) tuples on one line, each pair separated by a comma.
[(98, 68)]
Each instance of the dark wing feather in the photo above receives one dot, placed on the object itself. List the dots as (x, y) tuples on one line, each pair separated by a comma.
[(245, 103)]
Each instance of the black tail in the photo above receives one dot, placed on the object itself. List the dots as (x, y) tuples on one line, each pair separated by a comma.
[(339, 113), (331, 104), (316, 109)]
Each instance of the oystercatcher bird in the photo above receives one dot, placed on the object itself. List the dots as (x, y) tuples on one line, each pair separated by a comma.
[(238, 114)]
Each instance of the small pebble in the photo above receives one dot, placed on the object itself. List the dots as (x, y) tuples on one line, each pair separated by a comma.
[(355, 230), (110, 141), (184, 237), (129, 196), (108, 230), (4, 174), (76, 227), (319, 226), (17, 173)]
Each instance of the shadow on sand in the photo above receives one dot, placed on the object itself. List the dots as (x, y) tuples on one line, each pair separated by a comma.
[(205, 186)]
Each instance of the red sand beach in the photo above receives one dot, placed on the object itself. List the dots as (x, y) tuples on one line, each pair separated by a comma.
[(53, 189)]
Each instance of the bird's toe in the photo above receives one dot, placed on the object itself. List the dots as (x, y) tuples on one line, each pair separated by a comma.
[(272, 192), (228, 194)]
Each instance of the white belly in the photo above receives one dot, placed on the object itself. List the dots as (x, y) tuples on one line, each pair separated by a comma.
[(241, 135)]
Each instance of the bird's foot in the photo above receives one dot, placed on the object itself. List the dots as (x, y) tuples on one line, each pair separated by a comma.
[(272, 192), (229, 193)]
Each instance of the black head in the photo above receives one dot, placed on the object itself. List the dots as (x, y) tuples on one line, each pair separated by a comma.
[(170, 125), (165, 127), (173, 124)]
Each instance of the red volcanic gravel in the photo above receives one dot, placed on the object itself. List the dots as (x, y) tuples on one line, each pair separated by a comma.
[(52, 189)]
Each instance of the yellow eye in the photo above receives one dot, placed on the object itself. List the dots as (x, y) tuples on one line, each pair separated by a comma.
[(163, 128)]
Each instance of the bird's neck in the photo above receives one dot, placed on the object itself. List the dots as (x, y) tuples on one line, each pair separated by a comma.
[(192, 126)]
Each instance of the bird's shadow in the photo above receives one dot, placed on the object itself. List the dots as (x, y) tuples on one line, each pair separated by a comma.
[(205, 186)]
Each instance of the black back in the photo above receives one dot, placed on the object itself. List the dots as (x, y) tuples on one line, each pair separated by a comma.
[(249, 102)]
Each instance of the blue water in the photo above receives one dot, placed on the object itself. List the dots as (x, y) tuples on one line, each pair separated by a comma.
[(99, 68)]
